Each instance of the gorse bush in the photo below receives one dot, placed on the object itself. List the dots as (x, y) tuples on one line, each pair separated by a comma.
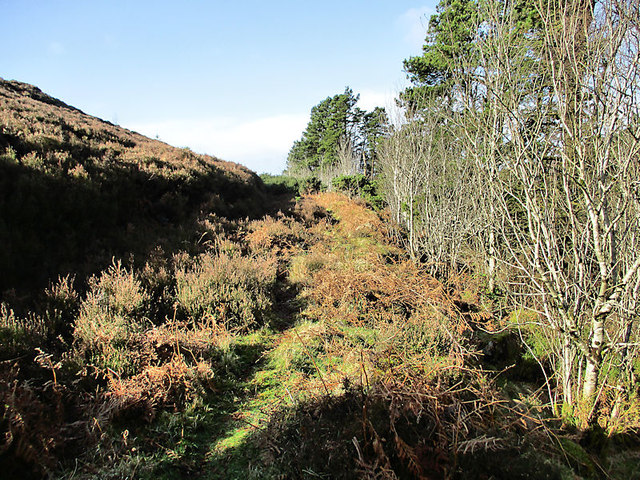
[(227, 289)]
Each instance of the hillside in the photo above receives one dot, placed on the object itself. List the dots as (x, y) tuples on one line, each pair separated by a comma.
[(76, 191)]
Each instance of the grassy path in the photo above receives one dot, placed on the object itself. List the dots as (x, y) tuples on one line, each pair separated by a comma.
[(268, 372)]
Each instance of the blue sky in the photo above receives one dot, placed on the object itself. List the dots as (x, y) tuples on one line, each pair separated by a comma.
[(232, 79)]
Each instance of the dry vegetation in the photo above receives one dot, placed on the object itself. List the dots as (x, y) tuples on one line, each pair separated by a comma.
[(75, 187), (293, 347)]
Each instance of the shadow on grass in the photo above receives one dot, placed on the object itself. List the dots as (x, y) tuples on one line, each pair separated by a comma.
[(54, 223), (371, 435), (182, 444)]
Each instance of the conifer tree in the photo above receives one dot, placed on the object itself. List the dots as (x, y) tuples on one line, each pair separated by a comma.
[(337, 123)]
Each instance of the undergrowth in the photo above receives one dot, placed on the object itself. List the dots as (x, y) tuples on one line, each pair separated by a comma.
[(303, 345)]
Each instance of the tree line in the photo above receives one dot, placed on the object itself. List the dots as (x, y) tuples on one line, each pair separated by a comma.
[(542, 103), (340, 139)]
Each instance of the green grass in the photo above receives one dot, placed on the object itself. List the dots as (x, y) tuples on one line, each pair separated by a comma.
[(211, 437), (222, 437)]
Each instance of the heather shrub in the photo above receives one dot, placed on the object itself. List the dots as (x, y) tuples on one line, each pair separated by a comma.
[(158, 282), (61, 296), (20, 335), (110, 318), (307, 210), (61, 304), (429, 335), (229, 289)]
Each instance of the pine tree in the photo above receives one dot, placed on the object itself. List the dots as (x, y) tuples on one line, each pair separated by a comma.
[(337, 125)]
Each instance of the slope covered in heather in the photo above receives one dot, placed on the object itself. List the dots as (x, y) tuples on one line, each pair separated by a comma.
[(76, 191)]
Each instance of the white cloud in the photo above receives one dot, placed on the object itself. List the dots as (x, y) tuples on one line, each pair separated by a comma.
[(262, 144), (414, 24)]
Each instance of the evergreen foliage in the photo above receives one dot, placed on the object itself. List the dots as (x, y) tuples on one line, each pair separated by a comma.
[(339, 136), (333, 119), (361, 186), (450, 36), (451, 50)]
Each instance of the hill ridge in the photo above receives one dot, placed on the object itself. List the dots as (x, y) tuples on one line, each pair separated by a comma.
[(74, 186), (36, 93)]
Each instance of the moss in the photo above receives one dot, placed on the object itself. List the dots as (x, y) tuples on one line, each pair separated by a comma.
[(578, 457)]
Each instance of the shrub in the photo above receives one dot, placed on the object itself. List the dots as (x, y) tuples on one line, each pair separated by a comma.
[(20, 335), (350, 184), (275, 235), (158, 282), (61, 296), (110, 317), (309, 185), (230, 289), (527, 324), (308, 211), (359, 185), (61, 305), (172, 383), (280, 184)]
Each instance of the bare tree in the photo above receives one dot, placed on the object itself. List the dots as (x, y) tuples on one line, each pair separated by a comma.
[(348, 162), (402, 159), (566, 167), (428, 182)]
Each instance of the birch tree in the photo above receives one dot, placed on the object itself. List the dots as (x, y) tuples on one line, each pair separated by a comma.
[(430, 185), (569, 180)]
